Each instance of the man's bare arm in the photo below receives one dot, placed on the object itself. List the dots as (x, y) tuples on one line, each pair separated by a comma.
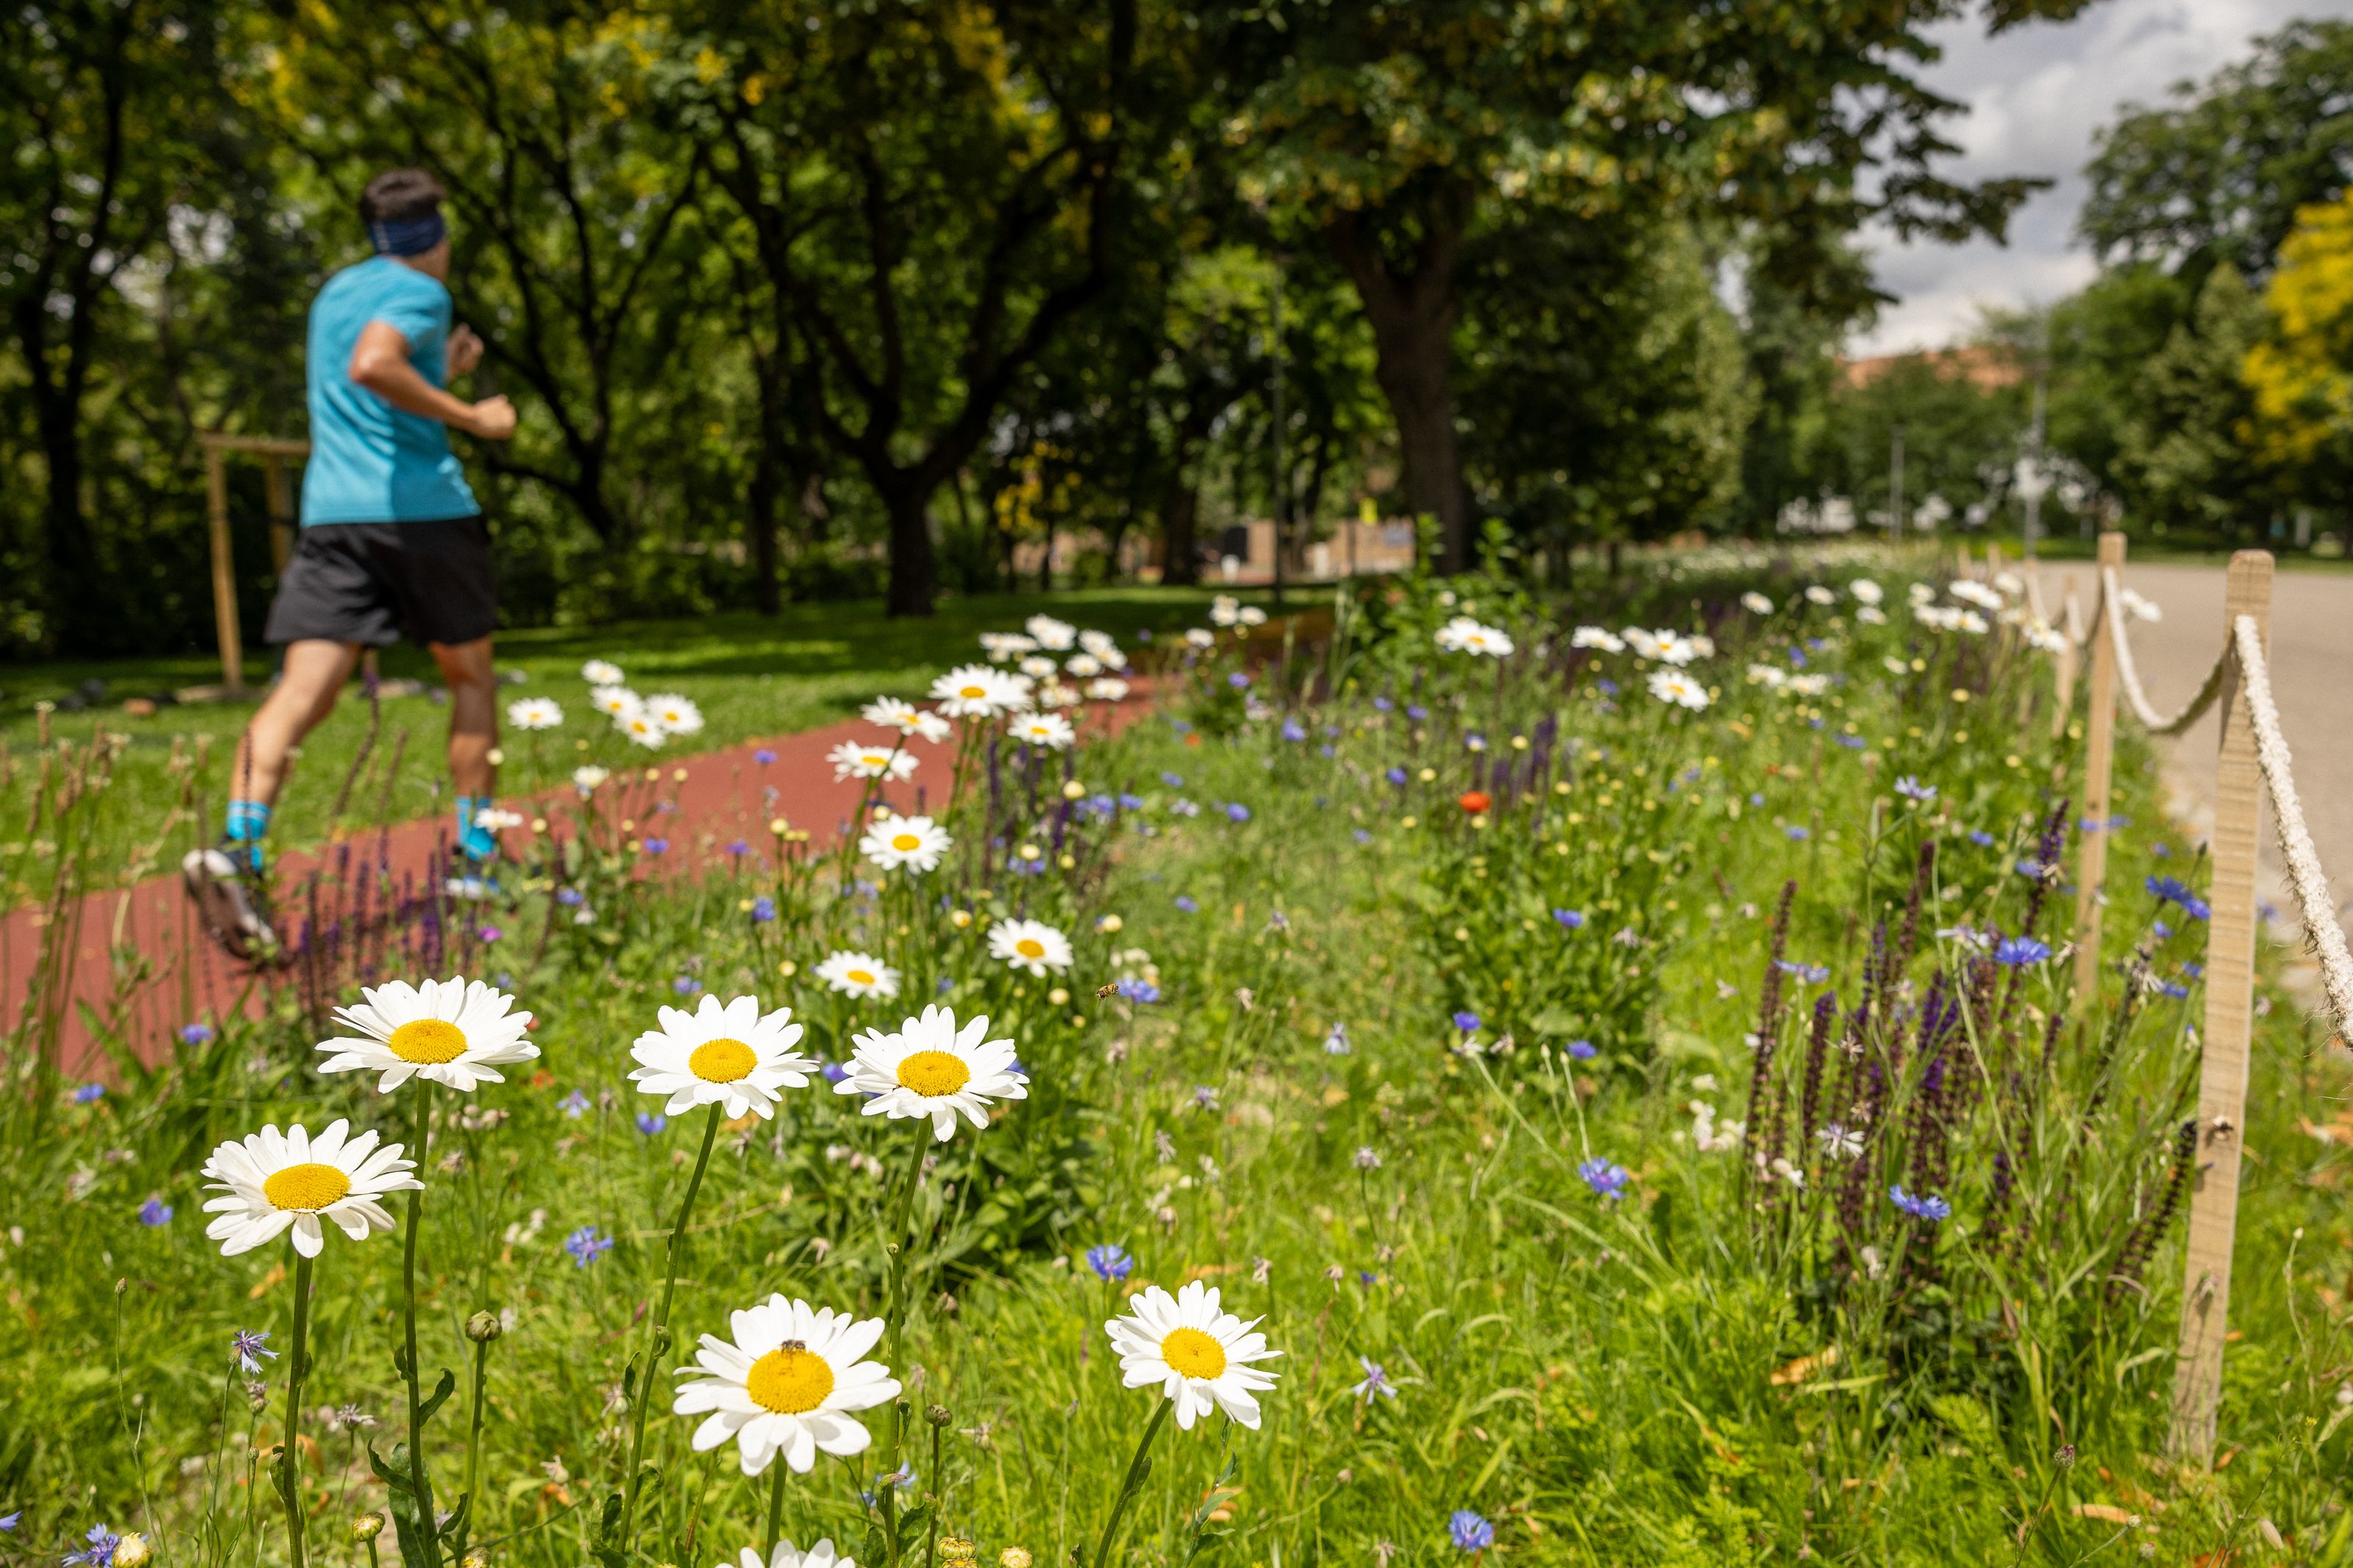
[(380, 364)]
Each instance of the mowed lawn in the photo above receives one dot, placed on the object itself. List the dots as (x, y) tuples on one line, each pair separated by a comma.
[(810, 665)]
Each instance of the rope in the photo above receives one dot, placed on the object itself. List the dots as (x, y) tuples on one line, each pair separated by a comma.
[(2156, 723), (2321, 932)]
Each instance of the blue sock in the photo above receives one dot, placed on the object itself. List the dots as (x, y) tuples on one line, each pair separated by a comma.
[(478, 843), (246, 823)]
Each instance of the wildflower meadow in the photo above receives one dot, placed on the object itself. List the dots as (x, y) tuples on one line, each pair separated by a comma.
[(1441, 1072)]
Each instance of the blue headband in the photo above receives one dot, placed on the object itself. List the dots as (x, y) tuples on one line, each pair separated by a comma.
[(409, 237)]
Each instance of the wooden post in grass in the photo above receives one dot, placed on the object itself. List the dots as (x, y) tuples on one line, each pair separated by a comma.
[(2071, 623), (2099, 764), (225, 627), (2230, 1013)]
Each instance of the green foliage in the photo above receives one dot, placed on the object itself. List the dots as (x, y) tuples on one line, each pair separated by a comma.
[(2187, 451)]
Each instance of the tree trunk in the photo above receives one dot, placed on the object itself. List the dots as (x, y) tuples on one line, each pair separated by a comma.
[(1412, 317), (914, 563), (1180, 547), (765, 497)]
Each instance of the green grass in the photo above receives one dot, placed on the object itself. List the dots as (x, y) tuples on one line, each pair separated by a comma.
[(1642, 1381), (808, 666)]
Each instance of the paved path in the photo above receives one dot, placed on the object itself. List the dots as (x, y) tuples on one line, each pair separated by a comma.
[(2312, 676)]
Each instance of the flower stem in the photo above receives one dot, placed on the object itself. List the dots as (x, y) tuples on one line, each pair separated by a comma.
[(1137, 1468), (289, 1461), (474, 1448), (428, 1521), (894, 1314), (775, 1508), (642, 1396)]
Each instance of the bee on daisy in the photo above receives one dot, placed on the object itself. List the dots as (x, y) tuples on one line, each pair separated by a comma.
[(271, 1183), (928, 1068), (675, 714), (787, 1382), (859, 974), (723, 1054), (1032, 945), (534, 713), (1201, 1355), (852, 760), (455, 1032), (915, 844)]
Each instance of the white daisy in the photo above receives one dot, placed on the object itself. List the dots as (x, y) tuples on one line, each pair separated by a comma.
[(1644, 642), (1200, 637), (1677, 651), (1054, 694), (1809, 685), (1032, 945), (1818, 595), (616, 701), (1051, 730), (1597, 637), (725, 1054), (497, 818), (930, 1068), (271, 1182), (1199, 1354), (859, 974), (933, 728), (1977, 594), (1100, 645), (976, 691), (1768, 674), (1865, 591), (1055, 636), (1250, 615), (455, 1032), (1082, 666), (1225, 610), (1004, 645), (852, 760), (1038, 666), (602, 672), (786, 1384), (1870, 615), (586, 777), (676, 715), (643, 728), (1674, 686), (1756, 604), (534, 713), (1465, 634), (892, 713), (1107, 689), (787, 1556), (913, 843)]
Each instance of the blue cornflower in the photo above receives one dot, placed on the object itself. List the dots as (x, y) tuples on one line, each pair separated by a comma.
[(1812, 973), (568, 896), (89, 1093), (1417, 712), (1911, 788), (155, 1213), (11, 1520), (686, 985), (1980, 837), (1112, 1264), (2162, 929), (1186, 902), (1238, 680), (1474, 742), (1469, 1530), (1335, 1042), (1395, 776), (2029, 867), (1606, 1180), (2013, 951), (2172, 891), (1852, 743), (1293, 730), (656, 846), (574, 1105), (1136, 990), (98, 1553), (1609, 687), (196, 1035), (2195, 971), (587, 1244), (1130, 802), (738, 847), (651, 1122), (1926, 1205), (1570, 920), (1756, 797), (1361, 834), (1796, 835), (1237, 812), (250, 1347), (2174, 989), (1376, 1381), (834, 1072), (1382, 704), (1583, 1050), (1467, 1021), (764, 910), (1205, 1098), (763, 756)]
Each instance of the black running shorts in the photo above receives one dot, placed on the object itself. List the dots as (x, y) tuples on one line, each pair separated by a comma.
[(368, 582)]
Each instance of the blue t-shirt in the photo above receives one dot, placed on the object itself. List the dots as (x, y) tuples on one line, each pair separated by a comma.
[(370, 462)]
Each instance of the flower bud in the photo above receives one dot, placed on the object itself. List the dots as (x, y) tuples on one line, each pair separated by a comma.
[(938, 1416), (483, 1327), (366, 1526), (131, 1551), (1013, 1557)]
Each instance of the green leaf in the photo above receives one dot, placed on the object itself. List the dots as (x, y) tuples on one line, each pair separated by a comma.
[(408, 1525), (876, 1551), (441, 1391), (607, 1550)]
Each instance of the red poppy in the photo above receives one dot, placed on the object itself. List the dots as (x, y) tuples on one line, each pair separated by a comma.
[(1474, 802)]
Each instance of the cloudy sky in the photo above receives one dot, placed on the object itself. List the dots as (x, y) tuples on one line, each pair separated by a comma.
[(2036, 95)]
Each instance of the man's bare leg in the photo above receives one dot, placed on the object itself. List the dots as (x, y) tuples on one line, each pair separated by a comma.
[(474, 735), (220, 879)]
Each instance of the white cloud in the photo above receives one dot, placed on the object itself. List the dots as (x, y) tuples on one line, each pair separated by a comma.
[(2036, 96)]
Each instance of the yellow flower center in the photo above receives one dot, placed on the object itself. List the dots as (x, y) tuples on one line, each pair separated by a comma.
[(906, 843), (722, 1061), (1030, 947), (877, 758), (1190, 1352), (311, 1187), (791, 1381), (428, 1040), (971, 693), (859, 977), (934, 1073)]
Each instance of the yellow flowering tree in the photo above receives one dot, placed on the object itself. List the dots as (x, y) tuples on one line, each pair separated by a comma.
[(2302, 374)]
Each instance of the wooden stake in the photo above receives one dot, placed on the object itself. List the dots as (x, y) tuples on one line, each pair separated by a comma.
[(232, 639), (2099, 764), (2071, 621), (281, 513), (2230, 1015)]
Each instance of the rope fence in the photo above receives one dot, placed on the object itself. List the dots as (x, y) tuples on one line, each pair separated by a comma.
[(2253, 761)]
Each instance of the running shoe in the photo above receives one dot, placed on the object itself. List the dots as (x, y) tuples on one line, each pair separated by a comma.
[(223, 884)]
